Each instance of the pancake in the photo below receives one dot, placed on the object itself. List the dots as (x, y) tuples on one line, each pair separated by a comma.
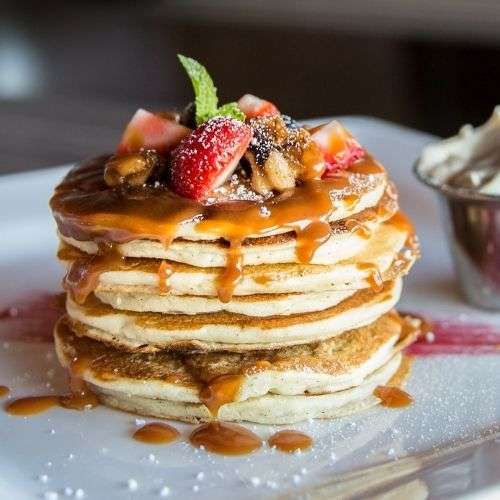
[(385, 253), (349, 237), (321, 380), (84, 207), (228, 331), (144, 299)]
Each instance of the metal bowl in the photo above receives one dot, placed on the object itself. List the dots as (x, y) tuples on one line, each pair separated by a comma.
[(472, 223)]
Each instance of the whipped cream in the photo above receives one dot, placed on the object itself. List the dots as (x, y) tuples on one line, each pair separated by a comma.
[(469, 161)]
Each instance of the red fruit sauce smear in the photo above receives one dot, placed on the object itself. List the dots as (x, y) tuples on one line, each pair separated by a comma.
[(457, 337), (31, 318)]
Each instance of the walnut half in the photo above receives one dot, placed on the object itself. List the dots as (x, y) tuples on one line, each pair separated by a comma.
[(132, 169), (275, 175), (279, 172)]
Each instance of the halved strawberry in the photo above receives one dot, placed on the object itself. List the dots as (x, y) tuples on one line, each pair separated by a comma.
[(150, 131), (254, 106), (340, 149), (208, 156)]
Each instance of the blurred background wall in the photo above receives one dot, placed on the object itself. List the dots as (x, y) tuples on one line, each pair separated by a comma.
[(72, 73)]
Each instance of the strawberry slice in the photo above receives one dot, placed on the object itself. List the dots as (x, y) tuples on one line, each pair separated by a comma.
[(150, 131), (254, 106), (208, 156), (340, 149)]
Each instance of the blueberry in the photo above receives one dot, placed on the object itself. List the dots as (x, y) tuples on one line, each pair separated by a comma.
[(290, 122), (261, 146)]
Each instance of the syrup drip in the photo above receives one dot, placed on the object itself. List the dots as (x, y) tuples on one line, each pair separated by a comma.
[(232, 274), (4, 390), (290, 441), (375, 278), (219, 391), (400, 221), (80, 397), (83, 274), (310, 239), (392, 397), (156, 433), (225, 439), (164, 272)]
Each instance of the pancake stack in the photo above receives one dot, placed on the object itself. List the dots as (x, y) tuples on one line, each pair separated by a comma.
[(296, 339), (238, 267)]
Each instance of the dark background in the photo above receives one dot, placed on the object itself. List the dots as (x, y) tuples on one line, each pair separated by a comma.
[(72, 73)]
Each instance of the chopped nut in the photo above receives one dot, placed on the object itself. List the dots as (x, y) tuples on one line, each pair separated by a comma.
[(133, 169), (303, 155), (278, 171), (259, 181), (312, 161), (269, 132)]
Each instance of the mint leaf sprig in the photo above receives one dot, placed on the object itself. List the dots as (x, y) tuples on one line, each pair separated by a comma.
[(205, 93)]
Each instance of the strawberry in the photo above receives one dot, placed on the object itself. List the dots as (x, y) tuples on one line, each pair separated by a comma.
[(340, 149), (149, 131), (208, 156), (254, 106)]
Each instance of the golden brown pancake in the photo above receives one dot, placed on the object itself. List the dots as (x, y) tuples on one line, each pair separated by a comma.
[(319, 380), (228, 331)]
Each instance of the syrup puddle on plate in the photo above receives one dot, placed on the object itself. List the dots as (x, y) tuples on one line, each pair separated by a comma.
[(225, 438), (392, 397), (156, 433), (290, 441)]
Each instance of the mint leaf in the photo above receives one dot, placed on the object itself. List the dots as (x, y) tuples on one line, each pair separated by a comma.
[(232, 110), (205, 91)]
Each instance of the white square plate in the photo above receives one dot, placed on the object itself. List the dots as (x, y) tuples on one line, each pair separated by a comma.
[(457, 397)]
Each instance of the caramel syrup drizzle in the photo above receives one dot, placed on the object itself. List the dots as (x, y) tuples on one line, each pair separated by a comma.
[(392, 397), (220, 391), (85, 209), (310, 239), (232, 273), (229, 439), (80, 397), (401, 222), (375, 278), (83, 274)]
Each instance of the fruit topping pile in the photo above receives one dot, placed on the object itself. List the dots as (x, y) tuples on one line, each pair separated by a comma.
[(211, 153)]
